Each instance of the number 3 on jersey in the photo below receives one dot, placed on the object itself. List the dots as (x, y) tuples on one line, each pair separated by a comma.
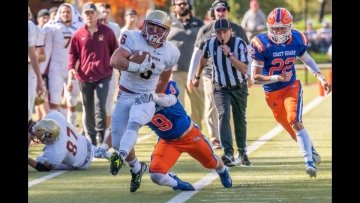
[(161, 122)]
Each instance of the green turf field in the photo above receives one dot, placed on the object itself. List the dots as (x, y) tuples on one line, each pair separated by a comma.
[(277, 173)]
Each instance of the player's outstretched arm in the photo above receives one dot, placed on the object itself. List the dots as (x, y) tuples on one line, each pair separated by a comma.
[(39, 166), (163, 80), (194, 62), (311, 65)]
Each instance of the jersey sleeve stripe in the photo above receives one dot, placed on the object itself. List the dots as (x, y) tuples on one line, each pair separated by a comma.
[(258, 44), (303, 37)]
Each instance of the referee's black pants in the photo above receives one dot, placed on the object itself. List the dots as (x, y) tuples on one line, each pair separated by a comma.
[(236, 97)]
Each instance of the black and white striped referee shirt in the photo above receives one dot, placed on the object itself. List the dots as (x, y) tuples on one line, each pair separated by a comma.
[(223, 72)]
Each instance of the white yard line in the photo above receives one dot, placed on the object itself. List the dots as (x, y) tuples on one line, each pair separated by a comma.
[(57, 173), (47, 177), (210, 177)]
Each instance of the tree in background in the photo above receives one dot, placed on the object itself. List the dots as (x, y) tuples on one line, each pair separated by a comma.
[(239, 7)]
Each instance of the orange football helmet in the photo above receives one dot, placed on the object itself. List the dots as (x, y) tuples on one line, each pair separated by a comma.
[(279, 24)]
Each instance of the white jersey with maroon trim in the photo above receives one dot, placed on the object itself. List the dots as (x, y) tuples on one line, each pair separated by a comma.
[(70, 149), (164, 57)]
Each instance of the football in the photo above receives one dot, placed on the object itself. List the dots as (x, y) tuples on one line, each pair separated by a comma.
[(138, 56)]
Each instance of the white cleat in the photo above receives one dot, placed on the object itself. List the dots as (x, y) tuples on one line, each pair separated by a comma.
[(316, 156), (311, 169)]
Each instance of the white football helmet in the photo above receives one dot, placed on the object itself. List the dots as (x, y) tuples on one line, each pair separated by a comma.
[(46, 130), (159, 18)]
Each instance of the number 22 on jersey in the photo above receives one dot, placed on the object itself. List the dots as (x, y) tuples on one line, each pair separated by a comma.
[(278, 64)]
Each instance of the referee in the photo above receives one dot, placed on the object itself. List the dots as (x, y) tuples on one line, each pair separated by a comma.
[(229, 56)]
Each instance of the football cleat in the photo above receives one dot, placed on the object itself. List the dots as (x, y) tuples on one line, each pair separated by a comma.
[(116, 163), (316, 156), (311, 169), (136, 177), (228, 160), (181, 185), (244, 159), (225, 179)]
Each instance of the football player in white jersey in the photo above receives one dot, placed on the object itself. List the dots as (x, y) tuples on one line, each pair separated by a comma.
[(35, 81), (41, 102), (64, 148), (57, 40), (131, 112)]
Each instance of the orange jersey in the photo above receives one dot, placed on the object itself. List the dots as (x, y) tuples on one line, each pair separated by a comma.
[(167, 152)]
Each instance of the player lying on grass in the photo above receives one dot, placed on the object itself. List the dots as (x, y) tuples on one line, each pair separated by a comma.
[(64, 148), (177, 134)]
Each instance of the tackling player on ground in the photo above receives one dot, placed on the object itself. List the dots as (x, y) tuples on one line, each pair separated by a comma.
[(179, 134)]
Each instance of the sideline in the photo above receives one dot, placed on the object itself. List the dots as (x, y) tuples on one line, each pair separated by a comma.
[(210, 177), (57, 173)]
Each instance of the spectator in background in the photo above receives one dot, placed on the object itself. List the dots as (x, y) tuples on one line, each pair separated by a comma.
[(52, 11), (92, 46), (184, 29), (131, 20), (230, 65), (104, 10), (324, 36), (43, 17), (219, 9), (208, 19), (104, 17), (311, 36), (254, 20)]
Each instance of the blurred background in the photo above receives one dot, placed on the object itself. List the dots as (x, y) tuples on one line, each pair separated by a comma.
[(302, 10)]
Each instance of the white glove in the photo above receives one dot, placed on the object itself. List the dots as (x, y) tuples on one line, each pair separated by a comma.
[(142, 67), (164, 100)]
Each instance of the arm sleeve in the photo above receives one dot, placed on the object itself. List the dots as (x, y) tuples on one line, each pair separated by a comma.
[(73, 53), (194, 62), (309, 63)]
